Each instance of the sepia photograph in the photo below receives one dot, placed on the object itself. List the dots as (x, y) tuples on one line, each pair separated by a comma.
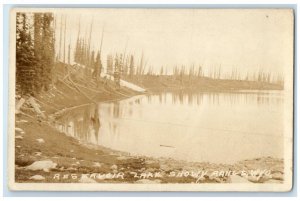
[(144, 99)]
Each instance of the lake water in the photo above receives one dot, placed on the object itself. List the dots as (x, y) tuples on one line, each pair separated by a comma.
[(210, 127)]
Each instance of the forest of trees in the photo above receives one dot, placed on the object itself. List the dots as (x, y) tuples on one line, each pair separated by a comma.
[(35, 59), (84, 56), (35, 42)]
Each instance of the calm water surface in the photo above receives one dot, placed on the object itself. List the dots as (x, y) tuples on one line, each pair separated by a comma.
[(211, 127)]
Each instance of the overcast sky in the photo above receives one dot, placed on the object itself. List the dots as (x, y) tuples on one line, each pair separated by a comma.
[(244, 39)]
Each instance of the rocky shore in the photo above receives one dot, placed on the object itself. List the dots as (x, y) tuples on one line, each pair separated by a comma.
[(43, 154)]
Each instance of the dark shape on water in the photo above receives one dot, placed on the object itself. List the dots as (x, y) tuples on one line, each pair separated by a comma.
[(166, 146)]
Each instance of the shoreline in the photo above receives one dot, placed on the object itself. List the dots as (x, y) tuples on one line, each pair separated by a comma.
[(42, 152), (71, 158)]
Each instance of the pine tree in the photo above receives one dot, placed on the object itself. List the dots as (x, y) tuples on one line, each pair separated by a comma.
[(77, 51), (25, 59), (125, 69), (117, 71), (121, 64), (92, 59), (47, 50), (131, 66), (200, 73), (34, 52), (95, 64), (109, 64), (98, 62)]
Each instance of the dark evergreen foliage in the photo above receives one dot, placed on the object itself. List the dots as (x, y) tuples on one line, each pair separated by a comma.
[(34, 52)]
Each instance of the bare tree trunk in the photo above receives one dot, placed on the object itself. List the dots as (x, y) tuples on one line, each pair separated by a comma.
[(19, 105), (60, 36), (36, 107), (65, 39)]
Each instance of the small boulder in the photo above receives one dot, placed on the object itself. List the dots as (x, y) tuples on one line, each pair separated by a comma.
[(42, 165), (19, 129), (148, 162), (259, 179), (114, 167), (122, 158), (150, 170), (37, 153), (22, 121), (37, 177), (71, 168), (96, 164), (165, 167), (40, 140)]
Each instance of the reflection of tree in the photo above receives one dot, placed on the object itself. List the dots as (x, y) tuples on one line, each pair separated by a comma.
[(180, 94), (130, 111), (165, 98), (149, 98), (77, 125), (137, 101), (95, 122), (190, 98), (199, 99), (160, 98), (216, 98), (85, 124), (117, 114), (262, 99), (174, 98), (114, 126), (116, 110)]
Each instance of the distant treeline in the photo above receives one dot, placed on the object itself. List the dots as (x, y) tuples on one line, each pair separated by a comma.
[(130, 66), (35, 52), (35, 59)]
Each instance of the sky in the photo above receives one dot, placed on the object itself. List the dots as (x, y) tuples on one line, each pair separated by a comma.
[(245, 39)]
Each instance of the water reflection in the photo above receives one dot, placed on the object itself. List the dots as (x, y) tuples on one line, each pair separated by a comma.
[(183, 125), (82, 123), (215, 98)]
